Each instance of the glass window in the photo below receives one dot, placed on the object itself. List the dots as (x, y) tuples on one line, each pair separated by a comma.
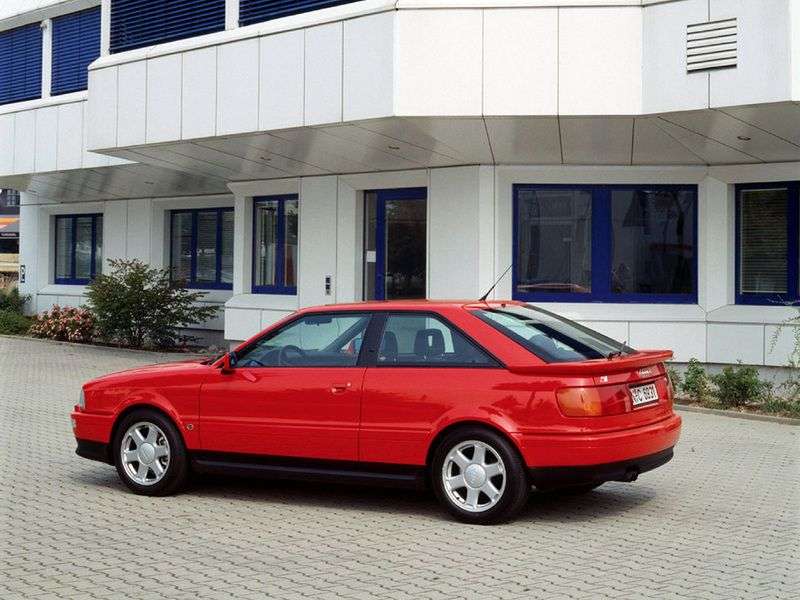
[(548, 336), (615, 243), (201, 248), (419, 339), (21, 63), (767, 243), (653, 245), (76, 45), (317, 340), (78, 248), (275, 245), (554, 243)]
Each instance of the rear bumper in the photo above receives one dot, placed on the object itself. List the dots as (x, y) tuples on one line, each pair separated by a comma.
[(589, 449), (93, 451), (627, 470)]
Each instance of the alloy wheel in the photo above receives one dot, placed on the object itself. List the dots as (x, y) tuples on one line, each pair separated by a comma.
[(474, 476), (145, 453)]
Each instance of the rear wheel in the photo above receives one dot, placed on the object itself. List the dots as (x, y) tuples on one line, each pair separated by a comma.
[(149, 454), (478, 476)]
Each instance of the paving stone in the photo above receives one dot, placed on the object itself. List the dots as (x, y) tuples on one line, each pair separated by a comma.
[(722, 520)]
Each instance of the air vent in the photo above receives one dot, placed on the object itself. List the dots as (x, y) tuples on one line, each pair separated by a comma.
[(711, 45)]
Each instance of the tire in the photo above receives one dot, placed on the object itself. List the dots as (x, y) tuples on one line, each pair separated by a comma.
[(502, 472), (149, 454)]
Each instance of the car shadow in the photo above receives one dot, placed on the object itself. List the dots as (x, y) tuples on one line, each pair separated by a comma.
[(608, 501)]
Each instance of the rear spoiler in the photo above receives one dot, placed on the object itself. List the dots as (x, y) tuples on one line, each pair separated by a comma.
[(601, 366)]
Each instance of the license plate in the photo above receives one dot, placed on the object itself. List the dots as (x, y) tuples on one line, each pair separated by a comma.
[(644, 394)]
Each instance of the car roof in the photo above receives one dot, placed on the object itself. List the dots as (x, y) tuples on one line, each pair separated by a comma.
[(390, 305)]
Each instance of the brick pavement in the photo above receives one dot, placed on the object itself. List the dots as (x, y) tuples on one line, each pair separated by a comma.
[(721, 521)]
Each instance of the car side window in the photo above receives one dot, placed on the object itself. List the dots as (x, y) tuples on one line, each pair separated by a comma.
[(317, 340), (414, 340)]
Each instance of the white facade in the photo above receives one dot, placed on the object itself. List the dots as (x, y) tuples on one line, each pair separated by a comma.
[(465, 99)]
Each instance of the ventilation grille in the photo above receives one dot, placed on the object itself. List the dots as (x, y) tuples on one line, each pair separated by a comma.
[(711, 45)]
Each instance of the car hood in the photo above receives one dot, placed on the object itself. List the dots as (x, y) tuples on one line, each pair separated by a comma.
[(155, 370)]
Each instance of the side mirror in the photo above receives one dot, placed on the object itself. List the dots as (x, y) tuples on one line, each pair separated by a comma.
[(227, 363)]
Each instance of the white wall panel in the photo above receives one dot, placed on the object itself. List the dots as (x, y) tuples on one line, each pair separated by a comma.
[(728, 343), (600, 61), (102, 108), (686, 340), (282, 73), (6, 144), (778, 345), (89, 160), (763, 73), (369, 66), (199, 96), (131, 116), (439, 60), (453, 211), (24, 141), (164, 98), (666, 85), (520, 71), (237, 87), (70, 136), (617, 330), (138, 228), (46, 139), (115, 231), (317, 232), (323, 74)]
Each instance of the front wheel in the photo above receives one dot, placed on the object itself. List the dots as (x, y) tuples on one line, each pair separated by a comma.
[(479, 477), (149, 454)]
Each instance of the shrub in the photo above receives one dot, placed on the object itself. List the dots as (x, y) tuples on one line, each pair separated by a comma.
[(740, 385), (675, 378), (10, 298), (67, 324), (136, 305), (782, 406), (696, 382), (13, 323)]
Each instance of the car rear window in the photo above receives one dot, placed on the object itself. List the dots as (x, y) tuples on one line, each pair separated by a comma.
[(549, 336)]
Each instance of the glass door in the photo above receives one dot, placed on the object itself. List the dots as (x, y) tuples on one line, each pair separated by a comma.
[(395, 244)]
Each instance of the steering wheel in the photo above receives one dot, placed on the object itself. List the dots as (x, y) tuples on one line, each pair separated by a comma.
[(287, 351)]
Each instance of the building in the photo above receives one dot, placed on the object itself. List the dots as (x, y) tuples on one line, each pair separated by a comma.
[(635, 161), (9, 233)]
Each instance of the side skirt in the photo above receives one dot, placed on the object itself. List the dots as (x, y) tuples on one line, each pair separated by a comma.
[(330, 471)]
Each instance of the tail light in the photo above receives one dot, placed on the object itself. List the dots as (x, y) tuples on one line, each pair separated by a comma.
[(598, 401)]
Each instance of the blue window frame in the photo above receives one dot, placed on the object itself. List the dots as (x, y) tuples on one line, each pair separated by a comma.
[(768, 243), (140, 23), (605, 243), (76, 44), (201, 248), (256, 11), (275, 242), (78, 248), (21, 64)]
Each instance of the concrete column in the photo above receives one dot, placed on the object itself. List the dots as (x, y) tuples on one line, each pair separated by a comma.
[(231, 14), (47, 57), (105, 27), (243, 245), (350, 233), (28, 246), (716, 256), (318, 240)]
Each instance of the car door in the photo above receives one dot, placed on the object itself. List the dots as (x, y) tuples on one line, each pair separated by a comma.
[(423, 369), (295, 392)]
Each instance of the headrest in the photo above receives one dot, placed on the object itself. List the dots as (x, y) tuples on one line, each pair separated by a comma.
[(429, 342)]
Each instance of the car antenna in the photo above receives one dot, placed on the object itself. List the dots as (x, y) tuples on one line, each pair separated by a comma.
[(494, 285)]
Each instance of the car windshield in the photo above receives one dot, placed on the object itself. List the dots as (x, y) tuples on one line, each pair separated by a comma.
[(548, 336)]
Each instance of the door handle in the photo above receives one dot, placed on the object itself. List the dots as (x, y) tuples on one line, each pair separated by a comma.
[(340, 388)]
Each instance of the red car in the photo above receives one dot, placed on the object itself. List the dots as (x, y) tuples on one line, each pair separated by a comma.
[(479, 400)]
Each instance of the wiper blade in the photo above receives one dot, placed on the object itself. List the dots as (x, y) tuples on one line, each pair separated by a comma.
[(614, 354)]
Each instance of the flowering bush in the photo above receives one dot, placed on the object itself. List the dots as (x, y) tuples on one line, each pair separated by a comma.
[(66, 323)]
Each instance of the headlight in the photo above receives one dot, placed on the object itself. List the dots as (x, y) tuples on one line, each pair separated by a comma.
[(82, 401)]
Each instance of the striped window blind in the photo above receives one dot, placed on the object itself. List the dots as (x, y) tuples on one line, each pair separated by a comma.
[(140, 23), (763, 241), (76, 44), (21, 64), (255, 11)]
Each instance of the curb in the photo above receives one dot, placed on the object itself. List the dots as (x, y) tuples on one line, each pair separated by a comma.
[(26, 338), (737, 415)]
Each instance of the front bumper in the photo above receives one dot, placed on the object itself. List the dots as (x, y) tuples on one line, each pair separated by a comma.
[(545, 478)]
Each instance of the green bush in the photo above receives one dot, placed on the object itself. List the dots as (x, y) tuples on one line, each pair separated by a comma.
[(696, 383), (675, 378), (137, 305), (13, 323), (786, 407), (740, 385), (10, 298)]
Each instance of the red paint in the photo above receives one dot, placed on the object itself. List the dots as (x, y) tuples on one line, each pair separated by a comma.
[(393, 414)]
